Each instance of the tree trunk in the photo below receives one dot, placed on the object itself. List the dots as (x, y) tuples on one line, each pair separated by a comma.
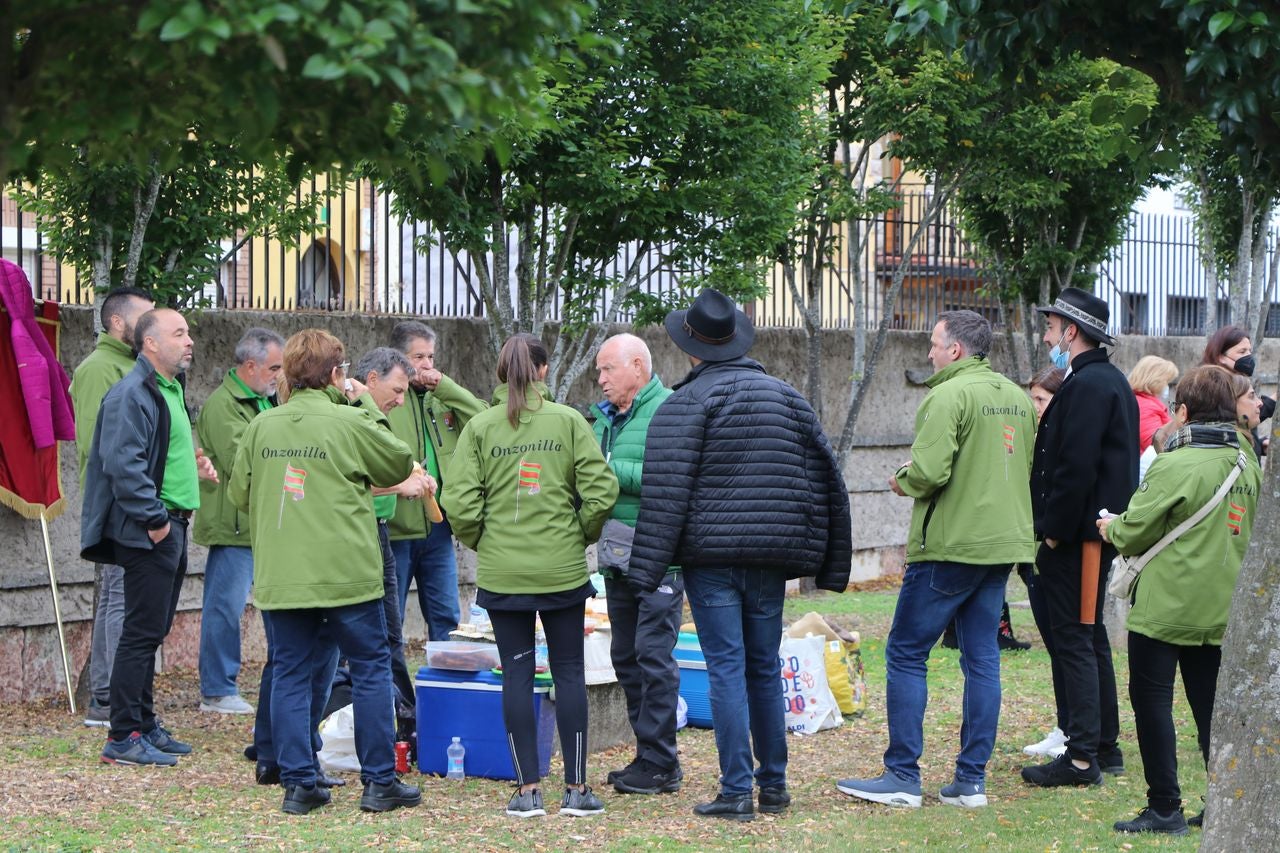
[(862, 384), (1244, 764)]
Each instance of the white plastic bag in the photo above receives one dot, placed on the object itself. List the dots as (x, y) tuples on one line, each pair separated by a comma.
[(811, 706), (338, 738), (682, 713)]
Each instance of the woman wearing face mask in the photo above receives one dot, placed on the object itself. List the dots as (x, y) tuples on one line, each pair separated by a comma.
[(1232, 348), (1150, 379)]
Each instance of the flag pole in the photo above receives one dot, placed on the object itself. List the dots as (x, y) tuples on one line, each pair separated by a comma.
[(57, 614)]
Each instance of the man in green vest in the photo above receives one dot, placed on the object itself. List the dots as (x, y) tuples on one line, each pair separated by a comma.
[(110, 360), (644, 624), (246, 389), (434, 413)]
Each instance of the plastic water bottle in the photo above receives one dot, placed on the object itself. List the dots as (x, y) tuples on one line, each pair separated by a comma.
[(541, 660), (457, 753), (479, 618)]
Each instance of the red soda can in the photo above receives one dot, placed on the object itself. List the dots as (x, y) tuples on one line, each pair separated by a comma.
[(402, 756)]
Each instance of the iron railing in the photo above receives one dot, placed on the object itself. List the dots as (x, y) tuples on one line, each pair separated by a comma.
[(360, 257)]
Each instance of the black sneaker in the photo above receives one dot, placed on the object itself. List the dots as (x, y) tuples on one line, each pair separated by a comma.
[(1060, 772), (1196, 820), (729, 808), (301, 800), (1150, 820), (1111, 762), (251, 752), (385, 796), (324, 780), (614, 774), (135, 750), (774, 800), (163, 740), (267, 774), (648, 778), (1007, 641)]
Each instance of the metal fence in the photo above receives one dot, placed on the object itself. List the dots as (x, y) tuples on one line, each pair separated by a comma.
[(360, 257)]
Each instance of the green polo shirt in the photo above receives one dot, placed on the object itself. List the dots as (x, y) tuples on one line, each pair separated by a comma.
[(384, 506), (181, 486)]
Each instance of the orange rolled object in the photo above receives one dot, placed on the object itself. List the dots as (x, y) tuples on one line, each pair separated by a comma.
[(435, 516), (1090, 562)]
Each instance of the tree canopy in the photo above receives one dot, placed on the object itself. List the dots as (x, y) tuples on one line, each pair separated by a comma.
[(680, 151), (1217, 59), (321, 81)]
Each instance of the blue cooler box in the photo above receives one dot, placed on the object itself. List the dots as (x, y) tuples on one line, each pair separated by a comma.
[(468, 705), (693, 680)]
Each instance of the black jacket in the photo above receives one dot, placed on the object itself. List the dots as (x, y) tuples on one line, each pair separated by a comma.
[(738, 474), (125, 468), (1086, 451)]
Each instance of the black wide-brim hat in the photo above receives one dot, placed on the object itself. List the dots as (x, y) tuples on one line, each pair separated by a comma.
[(1084, 309), (712, 328)]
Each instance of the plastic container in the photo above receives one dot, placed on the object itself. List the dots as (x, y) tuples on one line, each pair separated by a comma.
[(468, 705), (462, 656), (694, 688), (455, 758)]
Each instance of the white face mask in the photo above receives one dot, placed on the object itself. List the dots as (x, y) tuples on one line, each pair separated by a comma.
[(1164, 395)]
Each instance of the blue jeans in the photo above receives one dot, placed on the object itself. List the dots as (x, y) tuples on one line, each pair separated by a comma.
[(932, 595), (228, 576), (432, 563), (321, 685), (739, 617), (299, 648)]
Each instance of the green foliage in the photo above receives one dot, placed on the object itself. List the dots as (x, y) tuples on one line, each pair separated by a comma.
[(321, 82), (1219, 58), (1052, 196), (205, 194), (687, 137)]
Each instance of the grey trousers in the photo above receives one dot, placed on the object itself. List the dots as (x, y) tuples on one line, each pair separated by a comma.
[(108, 619)]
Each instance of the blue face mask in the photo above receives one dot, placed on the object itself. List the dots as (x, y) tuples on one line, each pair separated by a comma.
[(1059, 358)]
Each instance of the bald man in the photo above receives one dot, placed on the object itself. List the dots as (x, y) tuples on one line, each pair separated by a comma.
[(644, 625), (140, 492)]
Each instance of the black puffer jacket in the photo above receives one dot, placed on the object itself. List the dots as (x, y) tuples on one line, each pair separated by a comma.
[(738, 474)]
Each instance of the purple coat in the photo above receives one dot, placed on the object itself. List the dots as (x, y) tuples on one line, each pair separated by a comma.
[(44, 383)]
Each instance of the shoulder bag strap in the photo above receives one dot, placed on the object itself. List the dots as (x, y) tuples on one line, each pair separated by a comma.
[(1191, 522)]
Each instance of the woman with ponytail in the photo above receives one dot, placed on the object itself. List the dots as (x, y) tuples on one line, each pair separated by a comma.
[(529, 490)]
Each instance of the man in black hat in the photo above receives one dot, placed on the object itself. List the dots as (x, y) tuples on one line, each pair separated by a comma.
[(1086, 460), (740, 489)]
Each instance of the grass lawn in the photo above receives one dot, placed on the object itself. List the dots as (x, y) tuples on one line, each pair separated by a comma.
[(56, 795)]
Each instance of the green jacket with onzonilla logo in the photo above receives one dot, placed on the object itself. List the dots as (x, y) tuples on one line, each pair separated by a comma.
[(430, 423), (970, 469), (303, 474), (1183, 595), (219, 427), (529, 499)]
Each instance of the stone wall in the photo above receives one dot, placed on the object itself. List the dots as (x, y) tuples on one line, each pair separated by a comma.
[(29, 661)]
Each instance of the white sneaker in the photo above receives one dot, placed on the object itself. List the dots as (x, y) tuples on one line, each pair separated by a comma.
[(1053, 745), (225, 704)]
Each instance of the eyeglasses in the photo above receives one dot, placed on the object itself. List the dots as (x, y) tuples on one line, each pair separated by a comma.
[(344, 365)]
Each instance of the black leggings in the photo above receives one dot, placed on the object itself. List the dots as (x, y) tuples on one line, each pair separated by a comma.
[(514, 632), (1152, 664)]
